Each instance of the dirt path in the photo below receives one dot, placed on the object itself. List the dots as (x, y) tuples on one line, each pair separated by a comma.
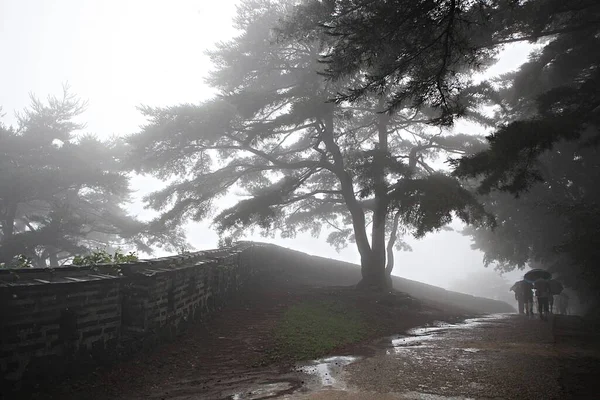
[(499, 356), (496, 357)]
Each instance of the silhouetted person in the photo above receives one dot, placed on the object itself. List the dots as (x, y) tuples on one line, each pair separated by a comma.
[(517, 288), (520, 302), (542, 292), (527, 296), (563, 303), (556, 288)]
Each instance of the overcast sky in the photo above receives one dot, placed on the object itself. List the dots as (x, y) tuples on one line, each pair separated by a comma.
[(118, 54)]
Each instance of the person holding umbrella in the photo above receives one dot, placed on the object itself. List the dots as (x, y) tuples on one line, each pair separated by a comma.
[(541, 279), (527, 294)]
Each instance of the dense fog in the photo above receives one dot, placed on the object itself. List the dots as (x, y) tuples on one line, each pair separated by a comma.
[(117, 56)]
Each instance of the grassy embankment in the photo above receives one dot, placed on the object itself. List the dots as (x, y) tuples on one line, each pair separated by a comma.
[(314, 328), (334, 320)]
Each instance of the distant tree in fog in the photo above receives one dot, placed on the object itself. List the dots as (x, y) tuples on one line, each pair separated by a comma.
[(299, 161), (62, 194), (484, 283), (540, 174)]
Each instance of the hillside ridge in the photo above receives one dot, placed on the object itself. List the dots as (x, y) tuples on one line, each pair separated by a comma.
[(301, 268)]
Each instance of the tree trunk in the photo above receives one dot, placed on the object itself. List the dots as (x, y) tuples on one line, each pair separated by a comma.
[(372, 256), (377, 264), (390, 247), (354, 207), (374, 275)]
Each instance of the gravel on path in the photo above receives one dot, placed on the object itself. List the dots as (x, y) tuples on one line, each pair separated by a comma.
[(494, 357)]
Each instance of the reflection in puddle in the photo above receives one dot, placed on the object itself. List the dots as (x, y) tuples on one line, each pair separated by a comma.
[(429, 330), (420, 348), (425, 337), (471, 350), (410, 341), (417, 337), (407, 343), (328, 369), (262, 391)]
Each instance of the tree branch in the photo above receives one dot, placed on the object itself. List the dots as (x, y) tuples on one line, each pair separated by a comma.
[(541, 35)]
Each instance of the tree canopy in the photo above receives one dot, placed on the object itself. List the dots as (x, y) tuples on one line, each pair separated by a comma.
[(545, 152), (334, 116), (428, 50), (297, 161), (423, 53)]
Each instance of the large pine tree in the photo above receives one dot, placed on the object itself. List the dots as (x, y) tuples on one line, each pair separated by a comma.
[(298, 161)]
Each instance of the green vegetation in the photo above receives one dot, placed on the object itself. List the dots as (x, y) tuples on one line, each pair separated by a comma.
[(314, 328), (19, 261), (102, 257)]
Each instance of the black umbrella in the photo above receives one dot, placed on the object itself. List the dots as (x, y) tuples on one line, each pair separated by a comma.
[(536, 274)]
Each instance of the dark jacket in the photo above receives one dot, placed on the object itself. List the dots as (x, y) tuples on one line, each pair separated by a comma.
[(526, 291), (542, 288)]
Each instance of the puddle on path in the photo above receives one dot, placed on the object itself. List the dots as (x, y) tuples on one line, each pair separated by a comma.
[(265, 391), (407, 343), (425, 337), (437, 328), (470, 350), (322, 374), (328, 370), (326, 373)]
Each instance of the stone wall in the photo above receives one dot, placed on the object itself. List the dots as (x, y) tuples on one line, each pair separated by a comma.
[(159, 302), (47, 326), (57, 322), (53, 322)]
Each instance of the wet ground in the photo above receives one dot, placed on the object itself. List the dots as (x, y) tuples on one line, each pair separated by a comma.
[(231, 355), (493, 357), (499, 356)]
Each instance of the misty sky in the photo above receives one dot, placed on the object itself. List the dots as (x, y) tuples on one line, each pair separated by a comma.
[(118, 54)]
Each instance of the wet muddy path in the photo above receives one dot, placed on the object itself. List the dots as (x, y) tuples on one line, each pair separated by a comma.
[(491, 357), (495, 356)]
